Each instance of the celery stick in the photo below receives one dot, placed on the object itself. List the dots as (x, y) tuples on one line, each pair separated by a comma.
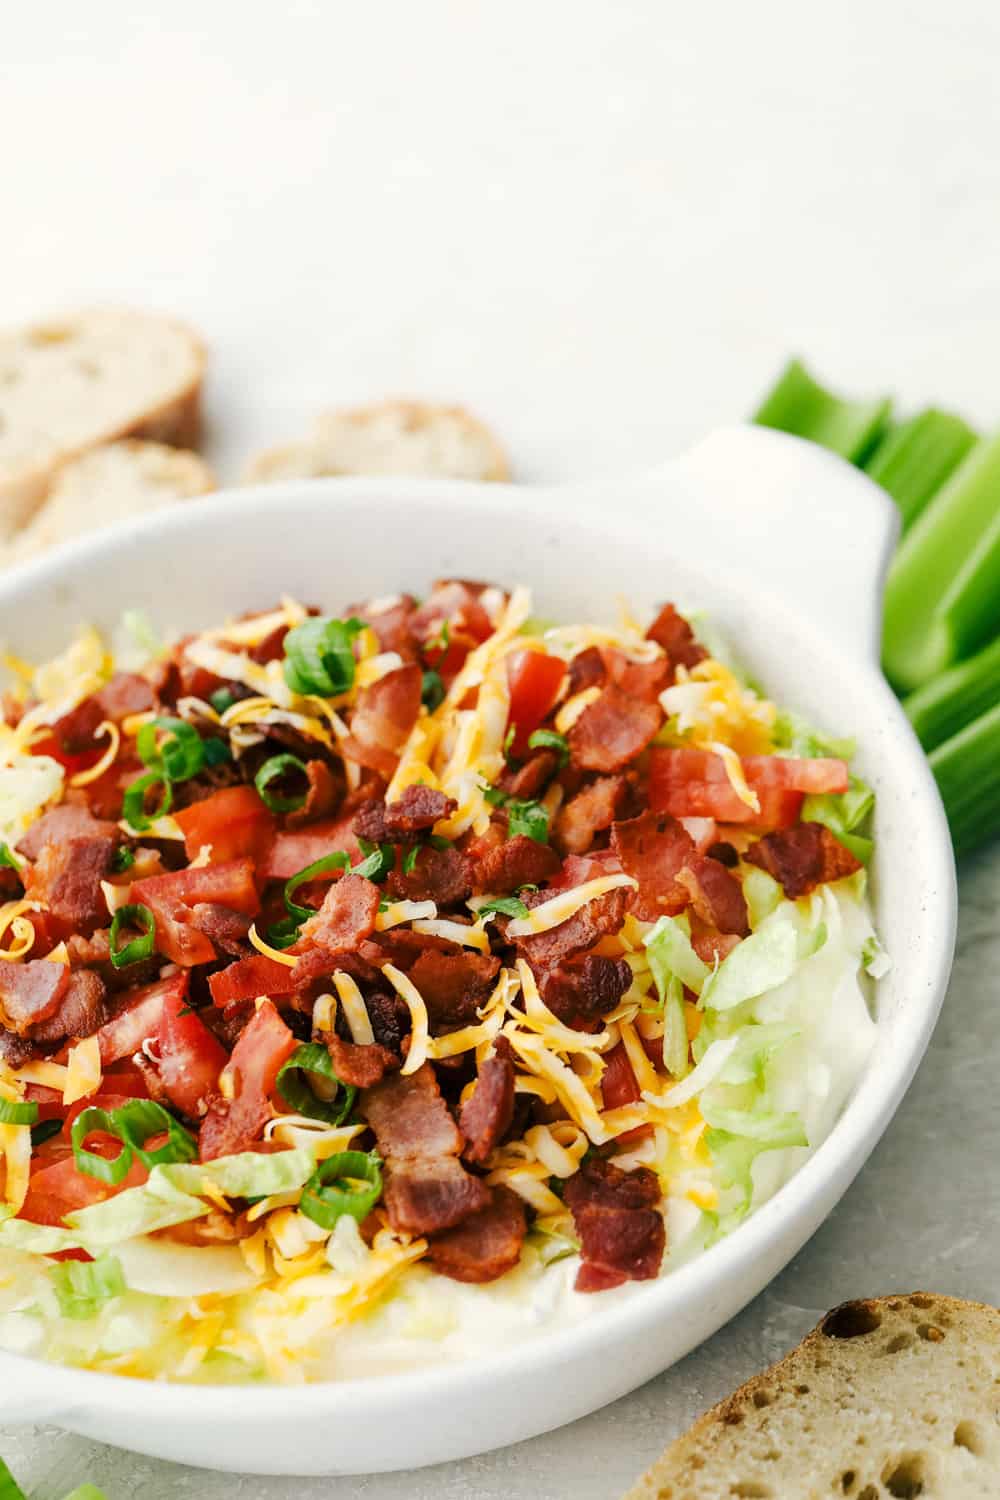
[(967, 769), (942, 597), (915, 458), (947, 703), (797, 404)]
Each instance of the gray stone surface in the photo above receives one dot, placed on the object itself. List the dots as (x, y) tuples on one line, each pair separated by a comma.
[(923, 1214)]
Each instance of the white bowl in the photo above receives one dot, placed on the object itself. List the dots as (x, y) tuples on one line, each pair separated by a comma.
[(785, 546)]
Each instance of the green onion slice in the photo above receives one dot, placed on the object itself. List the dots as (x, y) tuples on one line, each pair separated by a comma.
[(284, 933), (529, 818), (134, 802), (123, 859), (410, 859), (140, 1120), (277, 769), (134, 915), (319, 656), (379, 860), (82, 1287), (338, 860), (177, 757), (18, 1112), (348, 1183), (222, 699), (292, 1083), (502, 906), (8, 858), (44, 1131), (431, 690), (106, 1169), (550, 739), (217, 753)]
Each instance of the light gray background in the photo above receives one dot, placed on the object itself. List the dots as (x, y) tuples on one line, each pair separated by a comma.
[(603, 226)]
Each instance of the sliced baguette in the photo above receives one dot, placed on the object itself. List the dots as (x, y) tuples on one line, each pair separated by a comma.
[(885, 1400), (107, 485), (393, 437), (73, 383)]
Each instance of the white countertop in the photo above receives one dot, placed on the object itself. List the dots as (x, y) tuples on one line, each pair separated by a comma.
[(603, 227)]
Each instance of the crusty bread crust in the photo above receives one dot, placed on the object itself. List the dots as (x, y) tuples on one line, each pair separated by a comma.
[(887, 1399)]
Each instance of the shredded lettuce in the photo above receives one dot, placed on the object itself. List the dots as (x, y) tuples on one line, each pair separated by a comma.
[(762, 894), (760, 963), (671, 954), (675, 1035), (83, 1287), (796, 736), (735, 1151), (842, 813)]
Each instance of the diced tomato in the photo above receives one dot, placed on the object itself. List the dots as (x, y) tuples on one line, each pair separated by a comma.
[(138, 1018), (250, 977), (694, 783), (232, 822), (72, 764), (170, 897), (264, 1045), (292, 850), (535, 679), (578, 869), (57, 1189), (619, 1086), (191, 1058)]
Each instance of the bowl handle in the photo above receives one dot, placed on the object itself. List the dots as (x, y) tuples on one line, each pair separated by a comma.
[(790, 515)]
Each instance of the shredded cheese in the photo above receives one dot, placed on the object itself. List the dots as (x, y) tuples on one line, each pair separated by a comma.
[(288, 959), (472, 935), (83, 1070), (107, 760), (12, 919), (355, 1010), (404, 911), (408, 992), (566, 904), (574, 707)]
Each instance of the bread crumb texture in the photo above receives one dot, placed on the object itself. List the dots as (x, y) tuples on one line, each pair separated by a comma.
[(888, 1399), (413, 438)]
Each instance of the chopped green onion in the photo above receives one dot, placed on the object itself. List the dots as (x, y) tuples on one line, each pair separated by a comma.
[(349, 1182), (134, 915), (123, 859), (140, 1120), (217, 752), (915, 458), (222, 699), (379, 860), (435, 841), (44, 1131), (284, 933), (9, 1487), (314, 1059), (277, 769), (8, 858), (431, 690), (967, 770), (947, 703), (18, 1112), (338, 860), (942, 597), (508, 741), (319, 656), (549, 739), (106, 1169), (179, 756), (410, 859), (134, 802), (82, 1287), (529, 818), (502, 906), (799, 405)]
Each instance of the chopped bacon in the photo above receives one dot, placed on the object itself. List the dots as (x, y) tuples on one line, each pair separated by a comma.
[(485, 1245), (441, 875), (503, 865), (545, 950), (426, 1187), (324, 793), (234, 1124), (392, 625), (456, 600), (31, 993), (585, 987), (453, 985), (213, 1228), (137, 1016), (125, 694), (486, 1115), (529, 780), (671, 631), (653, 849), (593, 809), (612, 731), (291, 851), (384, 714), (70, 820), (577, 869), (226, 929), (66, 879), (587, 669), (231, 822), (711, 945), (727, 854), (639, 679), (802, 858), (171, 898), (250, 977), (622, 1235), (81, 1009), (702, 830), (345, 919), (360, 1066), (716, 895), (415, 812), (619, 1085)]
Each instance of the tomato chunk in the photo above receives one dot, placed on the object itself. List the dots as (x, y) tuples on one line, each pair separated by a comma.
[(234, 1124), (231, 822), (535, 679), (171, 897), (292, 850), (191, 1058), (250, 977), (694, 784)]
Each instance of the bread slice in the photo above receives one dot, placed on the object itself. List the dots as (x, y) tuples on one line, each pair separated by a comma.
[(885, 1400), (75, 382), (107, 485), (393, 437)]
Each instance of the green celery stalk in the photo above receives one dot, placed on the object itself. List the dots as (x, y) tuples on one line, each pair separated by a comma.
[(967, 770), (915, 458), (947, 703), (800, 405), (942, 597)]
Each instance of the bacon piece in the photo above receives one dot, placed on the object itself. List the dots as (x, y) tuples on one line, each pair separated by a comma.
[(653, 849), (727, 854), (505, 865), (711, 945), (671, 631), (612, 731), (486, 1115), (802, 858), (392, 625), (66, 879), (171, 898), (585, 987), (360, 1066), (622, 1236), (639, 679), (81, 1010), (31, 993), (127, 693), (213, 1228), (383, 716), (234, 1124), (529, 780), (15, 1051), (345, 919), (441, 875), (324, 794), (546, 950), (593, 809), (70, 820), (136, 1017), (227, 930), (426, 1187), (716, 895), (454, 985), (485, 1245), (587, 669), (416, 811), (456, 600)]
